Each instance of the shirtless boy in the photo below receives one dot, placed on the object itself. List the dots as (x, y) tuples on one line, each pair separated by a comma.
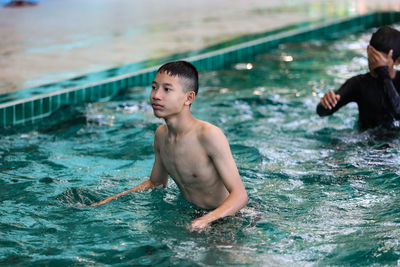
[(376, 92), (194, 153)]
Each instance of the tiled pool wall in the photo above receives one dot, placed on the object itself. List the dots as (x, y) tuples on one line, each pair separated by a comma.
[(33, 109)]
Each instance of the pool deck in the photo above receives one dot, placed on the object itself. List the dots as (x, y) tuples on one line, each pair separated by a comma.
[(61, 39)]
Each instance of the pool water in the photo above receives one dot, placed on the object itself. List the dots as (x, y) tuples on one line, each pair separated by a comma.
[(320, 191)]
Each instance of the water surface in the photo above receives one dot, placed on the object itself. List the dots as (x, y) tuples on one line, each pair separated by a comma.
[(320, 191)]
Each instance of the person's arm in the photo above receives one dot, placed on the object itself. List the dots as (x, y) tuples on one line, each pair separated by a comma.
[(217, 147), (327, 103), (146, 185), (158, 177), (333, 101), (389, 89), (379, 62)]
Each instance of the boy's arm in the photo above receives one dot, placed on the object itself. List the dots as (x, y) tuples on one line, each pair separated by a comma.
[(158, 177), (146, 185), (217, 147)]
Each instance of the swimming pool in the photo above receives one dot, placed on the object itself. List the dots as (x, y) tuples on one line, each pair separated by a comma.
[(320, 192)]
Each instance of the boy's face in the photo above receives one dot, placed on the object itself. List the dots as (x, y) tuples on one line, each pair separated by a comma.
[(167, 96)]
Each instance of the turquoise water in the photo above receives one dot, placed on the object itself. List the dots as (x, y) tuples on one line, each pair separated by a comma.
[(320, 191)]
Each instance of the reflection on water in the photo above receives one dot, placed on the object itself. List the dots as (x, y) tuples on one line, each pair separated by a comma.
[(321, 192)]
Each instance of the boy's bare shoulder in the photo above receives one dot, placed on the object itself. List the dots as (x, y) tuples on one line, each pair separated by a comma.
[(160, 132), (206, 128), (161, 129), (209, 133)]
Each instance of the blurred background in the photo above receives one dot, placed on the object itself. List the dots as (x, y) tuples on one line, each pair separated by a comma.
[(53, 40)]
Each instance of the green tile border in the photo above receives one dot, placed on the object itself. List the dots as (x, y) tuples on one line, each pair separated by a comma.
[(33, 109)]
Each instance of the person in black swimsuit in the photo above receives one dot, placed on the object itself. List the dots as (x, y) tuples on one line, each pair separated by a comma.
[(376, 92)]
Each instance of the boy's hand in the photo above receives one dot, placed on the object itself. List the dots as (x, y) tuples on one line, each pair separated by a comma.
[(378, 59), (199, 225), (329, 100)]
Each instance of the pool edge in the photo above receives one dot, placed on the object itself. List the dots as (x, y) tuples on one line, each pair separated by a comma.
[(35, 108)]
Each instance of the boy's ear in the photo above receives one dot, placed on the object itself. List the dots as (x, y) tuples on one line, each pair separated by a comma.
[(190, 96)]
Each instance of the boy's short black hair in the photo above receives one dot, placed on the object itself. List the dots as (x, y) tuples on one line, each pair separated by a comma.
[(385, 39), (185, 70)]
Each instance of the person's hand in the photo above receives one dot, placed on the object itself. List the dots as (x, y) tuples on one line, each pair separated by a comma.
[(199, 225), (329, 100), (378, 59)]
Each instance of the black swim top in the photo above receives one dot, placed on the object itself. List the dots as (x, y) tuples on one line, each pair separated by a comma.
[(378, 98)]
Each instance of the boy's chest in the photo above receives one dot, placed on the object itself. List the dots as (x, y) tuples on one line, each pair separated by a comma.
[(183, 158), (179, 154)]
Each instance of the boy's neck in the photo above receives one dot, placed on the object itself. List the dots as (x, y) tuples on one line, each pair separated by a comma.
[(180, 125)]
